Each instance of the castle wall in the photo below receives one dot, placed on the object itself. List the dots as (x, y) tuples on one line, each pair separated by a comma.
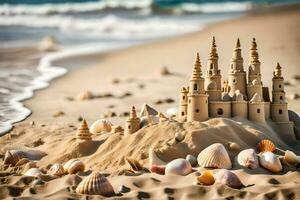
[(197, 107), (267, 110), (279, 112), (132, 126), (239, 109), (183, 104), (237, 81), (252, 89), (219, 109), (214, 95), (256, 112), (216, 79)]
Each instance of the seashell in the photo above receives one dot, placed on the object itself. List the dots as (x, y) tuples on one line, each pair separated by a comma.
[(214, 156), (192, 159), (101, 126), (147, 110), (149, 120), (206, 178), (86, 95), (123, 189), (248, 158), (83, 132), (234, 147), (13, 156), (179, 166), (266, 145), (56, 170), (291, 158), (36, 172), (172, 111), (158, 169), (179, 136), (134, 164), (270, 161), (117, 129), (73, 166), (30, 165), (228, 178), (22, 161), (95, 184), (154, 159)]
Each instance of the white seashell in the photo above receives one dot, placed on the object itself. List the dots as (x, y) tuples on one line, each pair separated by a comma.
[(101, 126), (95, 184), (36, 172), (154, 159), (179, 166), (248, 158), (73, 166), (179, 136), (291, 158), (192, 159), (13, 156), (147, 110), (172, 111), (56, 170), (270, 161), (150, 119), (214, 156), (228, 178)]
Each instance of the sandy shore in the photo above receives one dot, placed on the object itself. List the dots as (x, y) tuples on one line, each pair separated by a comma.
[(137, 71)]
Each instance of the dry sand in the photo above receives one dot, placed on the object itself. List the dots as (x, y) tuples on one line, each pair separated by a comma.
[(277, 34)]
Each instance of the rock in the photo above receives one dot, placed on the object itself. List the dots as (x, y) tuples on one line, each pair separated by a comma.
[(192, 159), (124, 189), (179, 136)]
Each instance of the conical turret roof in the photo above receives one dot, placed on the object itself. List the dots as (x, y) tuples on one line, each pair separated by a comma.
[(197, 73), (83, 131), (253, 52), (277, 71)]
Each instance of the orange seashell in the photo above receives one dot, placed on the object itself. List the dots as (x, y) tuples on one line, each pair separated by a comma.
[(266, 146), (158, 169), (206, 178)]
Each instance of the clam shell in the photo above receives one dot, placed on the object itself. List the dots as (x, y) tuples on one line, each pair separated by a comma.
[(206, 178), (248, 158), (56, 170), (95, 184), (154, 159), (228, 178), (101, 126), (270, 161), (266, 145), (158, 169), (192, 159), (150, 119), (214, 156), (36, 172), (291, 158), (179, 166), (13, 156), (73, 166)]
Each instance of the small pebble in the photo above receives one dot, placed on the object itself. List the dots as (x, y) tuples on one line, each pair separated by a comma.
[(179, 136), (115, 81), (192, 160), (158, 102), (141, 86), (124, 189), (169, 100), (164, 71), (80, 118), (58, 114)]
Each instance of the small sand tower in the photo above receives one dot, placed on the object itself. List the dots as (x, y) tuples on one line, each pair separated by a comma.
[(133, 122), (183, 102), (239, 105), (197, 99), (237, 75), (256, 109), (83, 132)]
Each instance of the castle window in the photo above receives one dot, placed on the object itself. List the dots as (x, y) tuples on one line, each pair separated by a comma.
[(129, 127), (234, 81), (206, 101), (197, 110), (183, 97), (190, 101), (231, 66), (182, 113), (211, 66), (220, 111), (280, 111), (279, 86), (195, 86), (281, 98), (258, 110)]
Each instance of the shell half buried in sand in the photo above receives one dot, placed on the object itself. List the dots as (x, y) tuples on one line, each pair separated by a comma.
[(179, 166), (73, 166), (270, 161), (248, 158), (35, 172), (291, 158), (13, 156), (266, 145), (206, 178), (214, 156), (228, 178), (95, 184), (101, 126), (56, 170)]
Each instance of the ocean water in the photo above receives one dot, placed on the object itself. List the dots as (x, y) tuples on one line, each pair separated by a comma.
[(84, 27)]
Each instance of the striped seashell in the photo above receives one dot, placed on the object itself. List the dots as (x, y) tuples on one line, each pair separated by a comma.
[(266, 145), (83, 131), (270, 161), (206, 178), (56, 170), (13, 156), (214, 156), (35, 172), (95, 184), (158, 169), (248, 158), (73, 166), (101, 126), (291, 158), (228, 178)]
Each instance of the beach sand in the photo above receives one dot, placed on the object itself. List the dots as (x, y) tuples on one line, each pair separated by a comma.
[(132, 77)]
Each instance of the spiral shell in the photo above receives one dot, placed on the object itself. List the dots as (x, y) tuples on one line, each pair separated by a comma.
[(83, 132), (56, 170), (248, 158), (266, 145), (270, 161), (291, 158), (228, 178), (95, 184), (206, 178), (101, 126), (214, 156), (73, 166)]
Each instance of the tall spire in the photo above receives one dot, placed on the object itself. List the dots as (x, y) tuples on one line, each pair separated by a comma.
[(237, 60), (277, 71), (237, 51), (133, 114), (237, 44), (253, 52), (213, 50), (197, 73)]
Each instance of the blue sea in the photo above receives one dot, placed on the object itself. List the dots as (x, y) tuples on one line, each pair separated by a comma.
[(83, 27)]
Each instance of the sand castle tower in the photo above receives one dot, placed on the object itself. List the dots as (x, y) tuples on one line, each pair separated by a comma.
[(83, 132), (237, 75), (132, 123), (197, 99), (254, 76), (279, 110), (213, 76), (239, 105), (183, 102), (256, 109)]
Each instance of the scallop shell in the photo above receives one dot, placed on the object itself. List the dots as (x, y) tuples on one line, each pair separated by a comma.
[(101, 126), (214, 156), (248, 158), (158, 169), (154, 159), (73, 166), (270, 161), (206, 178), (13, 156), (266, 145), (134, 164), (150, 119), (179, 166), (291, 158), (228, 178), (56, 170), (36, 172), (95, 184)]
